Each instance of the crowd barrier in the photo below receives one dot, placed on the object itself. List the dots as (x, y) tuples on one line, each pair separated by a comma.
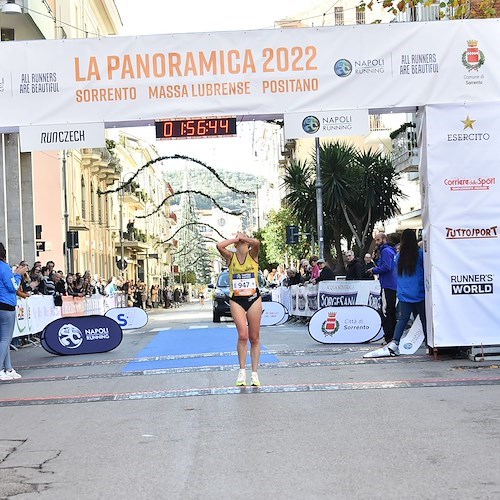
[(305, 300), (36, 312)]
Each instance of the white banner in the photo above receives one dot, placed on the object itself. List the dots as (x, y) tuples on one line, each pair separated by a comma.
[(248, 73), (327, 124), (461, 224), (56, 137)]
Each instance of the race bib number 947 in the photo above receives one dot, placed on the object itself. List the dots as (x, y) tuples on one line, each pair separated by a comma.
[(244, 284)]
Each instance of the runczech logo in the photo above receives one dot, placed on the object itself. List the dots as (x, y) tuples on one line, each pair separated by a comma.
[(343, 68), (331, 326), (472, 58), (310, 124), (70, 336)]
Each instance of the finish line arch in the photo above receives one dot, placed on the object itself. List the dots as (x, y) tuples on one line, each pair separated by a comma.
[(447, 69)]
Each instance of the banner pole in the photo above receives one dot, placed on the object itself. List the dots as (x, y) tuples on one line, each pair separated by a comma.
[(319, 201)]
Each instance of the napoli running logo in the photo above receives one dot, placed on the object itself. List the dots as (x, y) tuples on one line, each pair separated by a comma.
[(331, 326), (70, 336), (343, 68), (310, 124)]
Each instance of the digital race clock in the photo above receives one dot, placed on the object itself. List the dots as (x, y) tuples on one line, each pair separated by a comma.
[(187, 128)]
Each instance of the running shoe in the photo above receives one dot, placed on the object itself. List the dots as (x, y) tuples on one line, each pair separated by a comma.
[(12, 373), (4, 376), (242, 378), (255, 379), (393, 348)]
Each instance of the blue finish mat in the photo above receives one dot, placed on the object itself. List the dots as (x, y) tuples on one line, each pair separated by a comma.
[(192, 341)]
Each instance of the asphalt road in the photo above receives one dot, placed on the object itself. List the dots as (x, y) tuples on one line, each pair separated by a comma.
[(326, 423)]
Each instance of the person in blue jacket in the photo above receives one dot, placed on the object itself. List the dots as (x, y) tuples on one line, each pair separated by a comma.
[(9, 283), (387, 276), (410, 287)]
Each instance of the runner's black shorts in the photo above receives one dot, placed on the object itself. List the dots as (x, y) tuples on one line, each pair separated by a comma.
[(246, 302)]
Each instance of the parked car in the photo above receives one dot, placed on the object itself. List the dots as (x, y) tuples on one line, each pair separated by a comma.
[(220, 294)]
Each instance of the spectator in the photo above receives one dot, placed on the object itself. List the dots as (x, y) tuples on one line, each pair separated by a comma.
[(386, 271), (47, 285), (368, 264), (9, 284), (325, 272), (315, 270), (154, 296), (355, 268), (71, 290), (24, 290), (305, 270), (59, 288), (177, 297), (293, 277), (409, 262)]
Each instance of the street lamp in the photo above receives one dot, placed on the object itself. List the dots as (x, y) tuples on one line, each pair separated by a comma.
[(11, 7)]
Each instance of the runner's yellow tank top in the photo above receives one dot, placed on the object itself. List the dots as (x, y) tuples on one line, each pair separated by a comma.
[(243, 278)]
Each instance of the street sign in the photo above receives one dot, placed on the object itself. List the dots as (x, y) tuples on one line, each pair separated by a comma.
[(121, 264)]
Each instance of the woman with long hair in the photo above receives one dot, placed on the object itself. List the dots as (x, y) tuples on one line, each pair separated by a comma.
[(9, 284), (409, 262), (245, 300)]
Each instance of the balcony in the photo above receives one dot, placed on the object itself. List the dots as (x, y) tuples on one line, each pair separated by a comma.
[(405, 152)]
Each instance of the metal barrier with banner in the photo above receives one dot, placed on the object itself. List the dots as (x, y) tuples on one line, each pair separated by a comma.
[(36, 312), (305, 300)]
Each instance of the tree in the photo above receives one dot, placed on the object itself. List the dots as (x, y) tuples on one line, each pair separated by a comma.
[(359, 189), (452, 9), (274, 240), (374, 195)]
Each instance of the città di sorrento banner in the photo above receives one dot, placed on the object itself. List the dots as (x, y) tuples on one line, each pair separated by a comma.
[(248, 73)]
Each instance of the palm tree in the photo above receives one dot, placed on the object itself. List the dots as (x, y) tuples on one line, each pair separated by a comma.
[(359, 189), (299, 180), (374, 196)]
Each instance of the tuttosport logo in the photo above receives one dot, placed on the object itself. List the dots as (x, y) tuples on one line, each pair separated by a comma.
[(470, 184), (460, 233), (471, 284)]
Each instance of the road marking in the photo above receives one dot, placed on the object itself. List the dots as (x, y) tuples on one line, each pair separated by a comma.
[(270, 389)]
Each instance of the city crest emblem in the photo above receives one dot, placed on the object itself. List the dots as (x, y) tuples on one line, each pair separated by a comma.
[(331, 326), (472, 58)]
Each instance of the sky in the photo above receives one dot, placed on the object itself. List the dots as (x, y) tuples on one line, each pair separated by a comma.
[(187, 16)]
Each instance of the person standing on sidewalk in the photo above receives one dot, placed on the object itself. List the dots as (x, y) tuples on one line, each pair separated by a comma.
[(245, 300), (409, 263), (9, 284), (386, 271)]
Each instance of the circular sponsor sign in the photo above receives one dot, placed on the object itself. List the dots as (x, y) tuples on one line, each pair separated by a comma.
[(272, 313), (81, 335), (345, 325), (128, 317)]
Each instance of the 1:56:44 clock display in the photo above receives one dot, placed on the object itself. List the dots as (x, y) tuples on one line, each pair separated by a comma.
[(186, 128)]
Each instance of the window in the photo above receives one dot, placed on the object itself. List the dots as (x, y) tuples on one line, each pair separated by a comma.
[(360, 15), (339, 16), (7, 35), (92, 204), (84, 198)]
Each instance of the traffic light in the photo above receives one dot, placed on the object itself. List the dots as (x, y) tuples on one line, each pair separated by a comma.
[(292, 235)]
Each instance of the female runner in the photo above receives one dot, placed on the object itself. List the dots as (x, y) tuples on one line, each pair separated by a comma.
[(245, 301)]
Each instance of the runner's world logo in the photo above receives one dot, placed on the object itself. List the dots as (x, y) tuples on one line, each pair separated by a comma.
[(471, 284), (461, 233)]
